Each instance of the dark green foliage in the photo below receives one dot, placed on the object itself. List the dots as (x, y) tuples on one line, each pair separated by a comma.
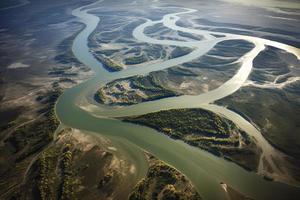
[(163, 183), (206, 130), (46, 178), (68, 181), (108, 63), (186, 121), (147, 84)]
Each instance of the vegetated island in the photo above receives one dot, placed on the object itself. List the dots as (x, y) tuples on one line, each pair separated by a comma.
[(133, 90), (206, 130), (163, 182)]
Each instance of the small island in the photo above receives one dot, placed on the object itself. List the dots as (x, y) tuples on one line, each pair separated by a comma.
[(163, 182)]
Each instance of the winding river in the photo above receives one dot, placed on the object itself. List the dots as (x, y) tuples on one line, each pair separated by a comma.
[(77, 109)]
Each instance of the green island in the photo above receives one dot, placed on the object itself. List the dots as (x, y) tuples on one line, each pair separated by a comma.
[(163, 182), (206, 130), (133, 90), (108, 63)]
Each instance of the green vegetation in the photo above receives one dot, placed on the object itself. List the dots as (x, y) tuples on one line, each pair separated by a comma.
[(50, 183), (46, 166), (63, 168), (72, 169), (54, 173), (133, 90), (109, 63), (186, 122), (163, 182), (205, 130), (68, 180), (135, 60), (24, 143), (150, 84)]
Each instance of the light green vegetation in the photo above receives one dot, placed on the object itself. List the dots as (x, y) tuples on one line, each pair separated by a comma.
[(73, 167), (163, 182), (69, 182), (46, 180)]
